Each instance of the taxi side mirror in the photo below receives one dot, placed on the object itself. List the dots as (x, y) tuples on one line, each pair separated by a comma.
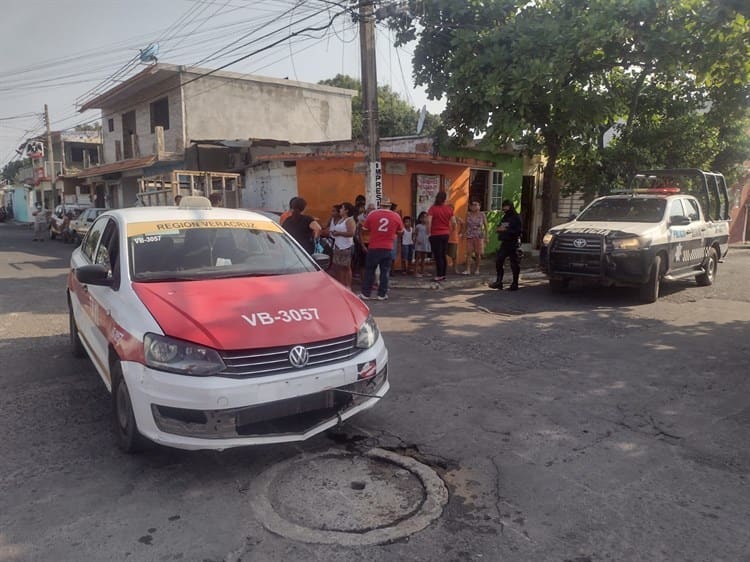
[(96, 274), (323, 260), (679, 220)]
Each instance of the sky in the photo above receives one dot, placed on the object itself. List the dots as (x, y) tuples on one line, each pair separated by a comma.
[(61, 52)]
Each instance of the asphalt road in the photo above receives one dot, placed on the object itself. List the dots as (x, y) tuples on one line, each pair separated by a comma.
[(576, 427)]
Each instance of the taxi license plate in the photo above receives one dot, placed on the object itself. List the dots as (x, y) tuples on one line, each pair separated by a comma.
[(286, 408)]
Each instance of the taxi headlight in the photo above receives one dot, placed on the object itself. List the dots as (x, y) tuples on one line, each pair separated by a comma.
[(547, 239), (168, 354), (367, 334), (633, 243)]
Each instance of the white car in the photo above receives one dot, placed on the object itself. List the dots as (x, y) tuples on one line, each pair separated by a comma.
[(212, 328), (84, 221)]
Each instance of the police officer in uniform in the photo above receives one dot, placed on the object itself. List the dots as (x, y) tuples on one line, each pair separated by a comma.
[(508, 231)]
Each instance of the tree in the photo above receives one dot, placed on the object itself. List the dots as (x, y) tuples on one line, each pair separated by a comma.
[(10, 170), (396, 117), (560, 73)]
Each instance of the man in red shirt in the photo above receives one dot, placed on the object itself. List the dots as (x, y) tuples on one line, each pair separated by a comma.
[(383, 225)]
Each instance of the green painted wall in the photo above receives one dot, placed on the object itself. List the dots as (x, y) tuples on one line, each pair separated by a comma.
[(512, 167)]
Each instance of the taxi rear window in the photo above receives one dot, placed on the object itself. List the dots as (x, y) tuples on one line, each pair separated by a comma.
[(190, 250)]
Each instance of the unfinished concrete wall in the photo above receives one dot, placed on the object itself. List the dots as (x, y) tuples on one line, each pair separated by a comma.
[(141, 103), (270, 186), (244, 107)]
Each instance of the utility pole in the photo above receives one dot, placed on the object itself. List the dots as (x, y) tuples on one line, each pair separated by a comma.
[(50, 156), (374, 177)]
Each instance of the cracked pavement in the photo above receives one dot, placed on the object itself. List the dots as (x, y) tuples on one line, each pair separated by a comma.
[(575, 427)]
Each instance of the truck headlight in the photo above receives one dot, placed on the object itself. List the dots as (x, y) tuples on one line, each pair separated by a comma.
[(547, 239), (633, 243), (177, 356), (367, 334)]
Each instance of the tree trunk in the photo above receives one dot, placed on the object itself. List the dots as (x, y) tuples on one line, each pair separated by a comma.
[(549, 188)]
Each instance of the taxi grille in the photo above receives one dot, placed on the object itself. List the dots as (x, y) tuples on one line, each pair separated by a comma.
[(275, 360)]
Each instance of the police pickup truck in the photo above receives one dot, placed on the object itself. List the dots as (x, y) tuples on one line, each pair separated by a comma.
[(669, 224)]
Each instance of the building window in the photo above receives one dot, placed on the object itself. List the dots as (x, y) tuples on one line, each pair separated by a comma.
[(496, 190), (160, 114), (76, 154), (110, 125)]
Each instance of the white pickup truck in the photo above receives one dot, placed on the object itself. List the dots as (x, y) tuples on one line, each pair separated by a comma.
[(670, 224)]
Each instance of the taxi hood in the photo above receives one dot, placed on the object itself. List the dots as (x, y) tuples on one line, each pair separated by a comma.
[(254, 312)]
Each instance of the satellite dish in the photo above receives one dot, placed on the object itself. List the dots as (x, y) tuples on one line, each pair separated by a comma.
[(420, 121), (150, 53)]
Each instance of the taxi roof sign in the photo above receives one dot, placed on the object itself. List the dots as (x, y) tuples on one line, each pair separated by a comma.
[(195, 202)]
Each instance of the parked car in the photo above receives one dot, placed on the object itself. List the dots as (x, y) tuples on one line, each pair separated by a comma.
[(84, 221), (212, 328), (673, 228), (58, 220)]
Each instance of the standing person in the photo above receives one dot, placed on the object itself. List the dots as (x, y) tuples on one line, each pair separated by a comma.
[(439, 218), (343, 245), (383, 225), (303, 228), (508, 231), (288, 213), (407, 247), (455, 235), (216, 200), (177, 199), (421, 244), (477, 234), (40, 223)]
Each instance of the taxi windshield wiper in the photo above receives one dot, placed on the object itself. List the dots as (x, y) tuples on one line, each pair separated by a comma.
[(160, 277)]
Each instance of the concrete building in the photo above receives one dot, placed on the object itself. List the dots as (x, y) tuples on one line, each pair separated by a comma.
[(150, 119), (56, 182)]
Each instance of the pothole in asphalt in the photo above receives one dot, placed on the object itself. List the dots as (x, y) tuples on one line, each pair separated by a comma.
[(336, 497)]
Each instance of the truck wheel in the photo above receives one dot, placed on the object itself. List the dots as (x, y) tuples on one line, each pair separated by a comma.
[(650, 290), (76, 347), (558, 285), (128, 439), (712, 264)]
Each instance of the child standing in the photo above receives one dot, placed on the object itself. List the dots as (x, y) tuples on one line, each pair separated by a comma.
[(421, 243), (407, 247)]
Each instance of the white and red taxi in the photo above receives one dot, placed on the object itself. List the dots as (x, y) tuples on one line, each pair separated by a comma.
[(212, 328)]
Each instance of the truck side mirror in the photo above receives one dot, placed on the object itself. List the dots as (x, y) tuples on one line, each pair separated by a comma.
[(679, 220)]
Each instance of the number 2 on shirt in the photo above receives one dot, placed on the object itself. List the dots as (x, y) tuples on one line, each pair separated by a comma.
[(383, 225)]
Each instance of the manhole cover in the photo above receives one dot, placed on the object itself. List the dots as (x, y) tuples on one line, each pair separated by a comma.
[(342, 498)]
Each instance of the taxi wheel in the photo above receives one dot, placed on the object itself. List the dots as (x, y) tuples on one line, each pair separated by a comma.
[(76, 347), (650, 290), (126, 431), (712, 264)]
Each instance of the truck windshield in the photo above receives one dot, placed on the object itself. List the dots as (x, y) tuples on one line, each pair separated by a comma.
[(625, 210)]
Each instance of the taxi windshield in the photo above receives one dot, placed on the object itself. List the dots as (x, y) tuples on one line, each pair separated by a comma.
[(624, 210), (210, 253)]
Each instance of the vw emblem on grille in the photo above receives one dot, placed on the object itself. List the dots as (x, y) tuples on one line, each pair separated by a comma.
[(298, 356), (579, 242)]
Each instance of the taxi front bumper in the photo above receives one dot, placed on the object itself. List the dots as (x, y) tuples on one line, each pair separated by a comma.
[(189, 412)]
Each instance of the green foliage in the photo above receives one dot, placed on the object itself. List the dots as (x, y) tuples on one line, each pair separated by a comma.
[(11, 168), (396, 117), (670, 77)]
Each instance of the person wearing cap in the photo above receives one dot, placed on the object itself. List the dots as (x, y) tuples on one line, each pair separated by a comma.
[(384, 226), (508, 231)]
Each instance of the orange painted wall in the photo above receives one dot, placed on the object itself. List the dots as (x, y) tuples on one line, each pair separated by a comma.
[(326, 182), (323, 183)]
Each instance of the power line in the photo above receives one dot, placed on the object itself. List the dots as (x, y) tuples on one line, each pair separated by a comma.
[(235, 61)]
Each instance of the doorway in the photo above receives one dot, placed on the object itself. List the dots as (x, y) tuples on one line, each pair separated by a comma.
[(478, 182), (128, 134)]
